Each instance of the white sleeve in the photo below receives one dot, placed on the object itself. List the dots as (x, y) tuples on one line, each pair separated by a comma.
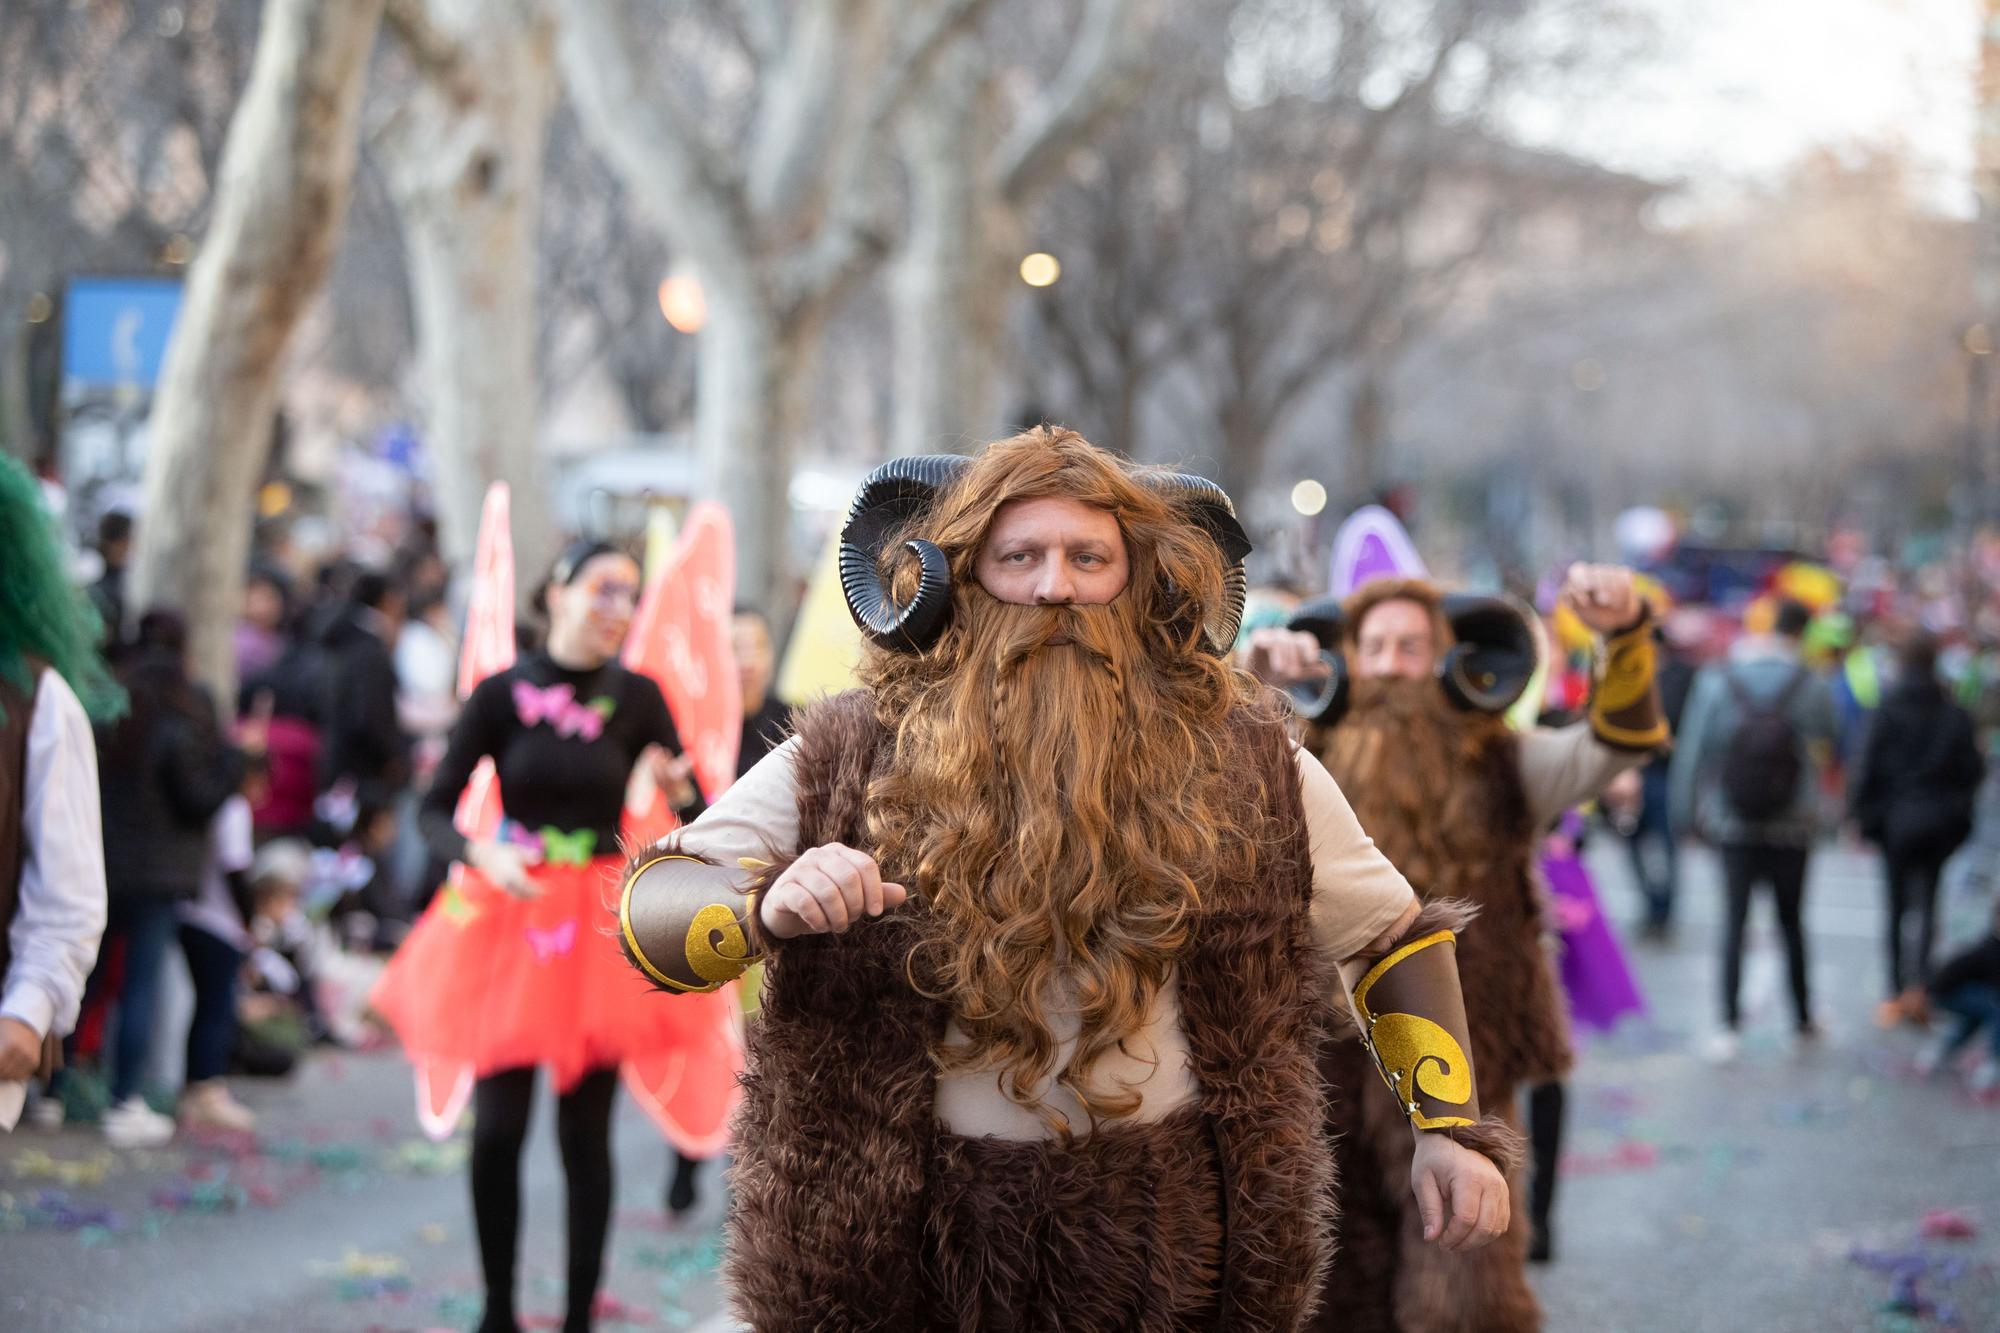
[(757, 818), (61, 914), (1357, 893), (234, 836)]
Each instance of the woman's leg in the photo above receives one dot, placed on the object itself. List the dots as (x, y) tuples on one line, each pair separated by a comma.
[(212, 963), (680, 1190), (1739, 869), (1970, 1006), (150, 925), (1924, 896), (500, 1106), (1896, 879), (1545, 1127), (1788, 884), (583, 1129)]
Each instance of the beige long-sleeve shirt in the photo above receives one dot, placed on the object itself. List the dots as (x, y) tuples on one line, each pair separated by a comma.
[(1357, 895), (1562, 767)]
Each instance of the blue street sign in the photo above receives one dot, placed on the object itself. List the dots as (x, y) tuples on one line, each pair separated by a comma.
[(115, 330)]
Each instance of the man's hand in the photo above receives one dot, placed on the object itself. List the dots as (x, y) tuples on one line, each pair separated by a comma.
[(1283, 657), (20, 1051), (1603, 597), (826, 890), (1461, 1196)]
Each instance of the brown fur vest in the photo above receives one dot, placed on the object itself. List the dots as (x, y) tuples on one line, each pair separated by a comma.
[(848, 1209), (1386, 1278)]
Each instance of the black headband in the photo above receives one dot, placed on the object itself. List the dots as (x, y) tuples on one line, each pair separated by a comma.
[(575, 556)]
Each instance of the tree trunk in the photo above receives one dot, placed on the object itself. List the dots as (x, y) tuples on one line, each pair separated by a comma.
[(1367, 425), (950, 285), (286, 174), (1241, 466), (746, 412), (464, 159)]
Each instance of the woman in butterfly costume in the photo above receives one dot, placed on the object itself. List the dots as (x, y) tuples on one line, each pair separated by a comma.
[(512, 966)]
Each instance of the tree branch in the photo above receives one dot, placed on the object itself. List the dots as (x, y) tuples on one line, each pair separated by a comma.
[(694, 196), (1093, 81), (437, 55)]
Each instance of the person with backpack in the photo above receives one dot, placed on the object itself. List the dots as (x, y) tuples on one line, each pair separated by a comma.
[(1758, 732), (1913, 797)]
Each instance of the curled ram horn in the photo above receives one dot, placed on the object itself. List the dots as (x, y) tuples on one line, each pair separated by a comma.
[(890, 498), (1494, 655), (1209, 505), (1323, 701)]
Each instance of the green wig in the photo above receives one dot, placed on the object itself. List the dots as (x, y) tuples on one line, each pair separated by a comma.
[(43, 616)]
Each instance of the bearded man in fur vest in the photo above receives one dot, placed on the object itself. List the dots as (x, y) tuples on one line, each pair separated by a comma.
[(1458, 801), (1053, 912)]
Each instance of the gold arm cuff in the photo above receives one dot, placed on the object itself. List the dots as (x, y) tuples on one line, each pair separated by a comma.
[(1625, 710), (1413, 1023), (679, 926)]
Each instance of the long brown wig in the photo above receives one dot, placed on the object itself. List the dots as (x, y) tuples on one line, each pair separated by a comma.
[(1059, 806)]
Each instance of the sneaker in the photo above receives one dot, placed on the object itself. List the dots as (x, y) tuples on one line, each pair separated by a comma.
[(133, 1124), (1722, 1047), (47, 1113), (209, 1104), (1985, 1078), (1931, 1058)]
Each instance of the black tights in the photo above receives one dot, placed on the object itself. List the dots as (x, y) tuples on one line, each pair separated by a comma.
[(1545, 1132), (500, 1107)]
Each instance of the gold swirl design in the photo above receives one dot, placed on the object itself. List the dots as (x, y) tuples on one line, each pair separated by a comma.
[(715, 966), (1628, 675), (1426, 1057), (717, 961)]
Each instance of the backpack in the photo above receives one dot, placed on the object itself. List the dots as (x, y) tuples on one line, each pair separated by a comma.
[(1764, 761)]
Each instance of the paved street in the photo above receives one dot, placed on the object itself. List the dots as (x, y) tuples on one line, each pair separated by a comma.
[(1784, 1193)]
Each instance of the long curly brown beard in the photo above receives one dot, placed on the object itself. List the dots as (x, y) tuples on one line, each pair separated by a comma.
[(1058, 805), (1408, 763)]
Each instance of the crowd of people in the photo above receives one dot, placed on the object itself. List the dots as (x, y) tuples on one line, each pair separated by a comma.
[(1065, 615)]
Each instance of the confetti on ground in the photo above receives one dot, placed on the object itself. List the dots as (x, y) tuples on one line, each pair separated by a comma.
[(1800, 1114), (34, 1164), (421, 1157), (1906, 1270), (1631, 1155), (1947, 1224)]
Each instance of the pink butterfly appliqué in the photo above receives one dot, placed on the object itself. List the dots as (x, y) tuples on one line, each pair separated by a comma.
[(553, 941), (557, 706), (536, 706)]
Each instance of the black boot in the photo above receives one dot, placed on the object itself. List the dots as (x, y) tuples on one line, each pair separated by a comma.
[(498, 1319), (1545, 1124), (680, 1190)]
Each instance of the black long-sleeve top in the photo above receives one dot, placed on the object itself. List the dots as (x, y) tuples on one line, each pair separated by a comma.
[(564, 744)]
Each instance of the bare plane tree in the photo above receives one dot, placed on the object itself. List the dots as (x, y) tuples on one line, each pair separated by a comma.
[(769, 188), (282, 190), (1300, 192), (464, 159), (976, 170)]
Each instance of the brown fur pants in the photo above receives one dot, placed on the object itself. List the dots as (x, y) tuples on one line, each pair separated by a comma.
[(1385, 1277), (1120, 1230)]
